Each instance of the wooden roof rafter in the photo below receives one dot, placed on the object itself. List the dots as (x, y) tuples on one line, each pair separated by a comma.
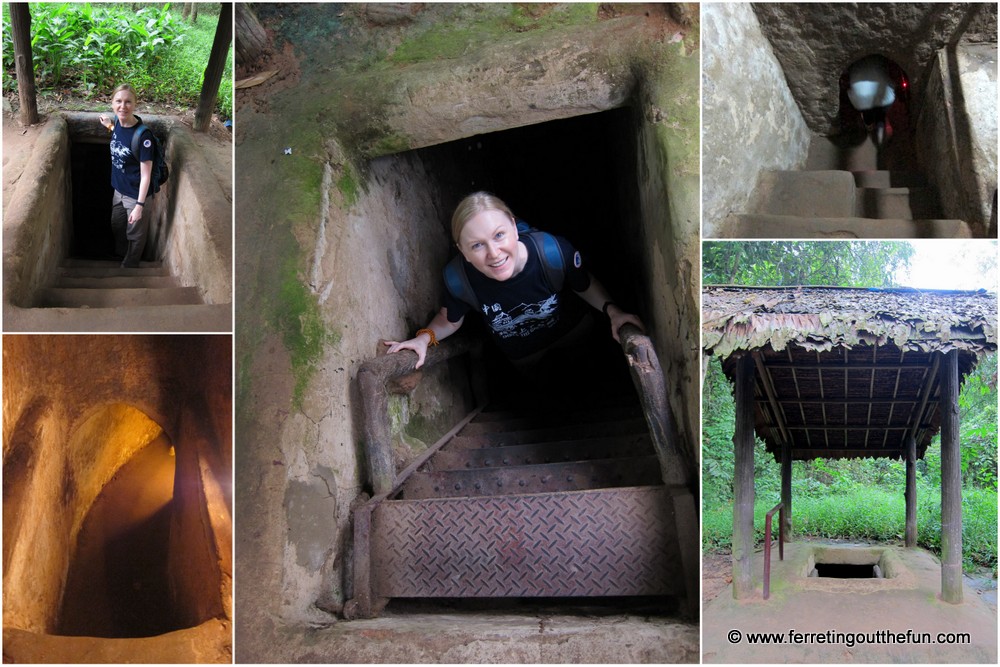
[(846, 373)]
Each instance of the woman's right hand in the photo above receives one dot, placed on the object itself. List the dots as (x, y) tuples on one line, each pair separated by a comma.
[(106, 123), (418, 345)]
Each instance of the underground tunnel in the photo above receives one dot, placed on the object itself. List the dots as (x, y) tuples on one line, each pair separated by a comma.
[(115, 534), (574, 177)]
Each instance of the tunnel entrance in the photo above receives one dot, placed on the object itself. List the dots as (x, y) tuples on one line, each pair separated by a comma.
[(845, 571), (118, 584), (577, 178), (90, 215)]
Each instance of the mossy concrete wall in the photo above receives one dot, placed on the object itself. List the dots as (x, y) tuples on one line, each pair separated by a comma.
[(351, 230), (751, 121), (77, 408)]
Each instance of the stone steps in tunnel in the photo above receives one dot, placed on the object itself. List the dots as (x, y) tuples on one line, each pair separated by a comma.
[(903, 203), (171, 318), (139, 280), (72, 297), (788, 227)]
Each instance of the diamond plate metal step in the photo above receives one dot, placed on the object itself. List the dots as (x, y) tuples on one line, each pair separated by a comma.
[(544, 452), (550, 434), (593, 543)]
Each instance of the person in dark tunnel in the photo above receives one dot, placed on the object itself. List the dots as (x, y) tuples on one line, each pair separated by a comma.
[(518, 279), (871, 91), (131, 176)]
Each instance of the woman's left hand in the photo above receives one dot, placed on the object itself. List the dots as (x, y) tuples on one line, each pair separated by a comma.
[(620, 318), (135, 215)]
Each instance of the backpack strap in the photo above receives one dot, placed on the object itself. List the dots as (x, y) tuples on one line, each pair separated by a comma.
[(457, 282), (140, 128), (550, 252)]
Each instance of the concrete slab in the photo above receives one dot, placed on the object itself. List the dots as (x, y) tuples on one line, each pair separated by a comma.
[(480, 638), (897, 203), (796, 227), (179, 319), (819, 194), (851, 153), (857, 621)]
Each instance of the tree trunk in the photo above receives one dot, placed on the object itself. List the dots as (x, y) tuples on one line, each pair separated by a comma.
[(251, 40), (186, 9), (20, 26), (216, 64), (194, 14), (951, 483)]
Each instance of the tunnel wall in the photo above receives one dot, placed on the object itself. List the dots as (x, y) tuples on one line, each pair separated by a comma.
[(195, 221), (35, 225), (751, 122), (164, 378), (958, 133)]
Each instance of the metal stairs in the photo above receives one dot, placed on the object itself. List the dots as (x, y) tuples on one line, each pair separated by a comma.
[(551, 501)]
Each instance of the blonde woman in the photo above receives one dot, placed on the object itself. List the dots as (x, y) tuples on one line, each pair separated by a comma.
[(130, 176)]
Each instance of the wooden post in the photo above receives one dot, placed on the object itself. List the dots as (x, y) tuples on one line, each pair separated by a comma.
[(24, 68), (911, 491), (216, 64), (951, 483), (786, 488), (743, 495), (251, 38)]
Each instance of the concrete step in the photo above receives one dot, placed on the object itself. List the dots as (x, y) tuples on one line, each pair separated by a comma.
[(110, 270), (796, 227), (897, 203), (880, 178), (116, 282), (850, 153), (106, 263), (216, 318), (821, 194), (58, 297)]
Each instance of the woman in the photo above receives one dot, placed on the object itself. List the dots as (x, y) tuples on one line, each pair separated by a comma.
[(512, 291), (130, 177)]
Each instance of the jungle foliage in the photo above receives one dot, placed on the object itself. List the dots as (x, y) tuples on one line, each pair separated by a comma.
[(85, 50), (850, 498)]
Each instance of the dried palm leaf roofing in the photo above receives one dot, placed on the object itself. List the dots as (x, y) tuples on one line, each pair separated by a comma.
[(845, 372)]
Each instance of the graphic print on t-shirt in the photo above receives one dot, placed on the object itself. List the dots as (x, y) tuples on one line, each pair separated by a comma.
[(119, 153), (524, 319)]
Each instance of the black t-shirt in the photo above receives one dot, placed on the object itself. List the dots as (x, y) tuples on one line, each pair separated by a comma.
[(125, 174), (523, 314)]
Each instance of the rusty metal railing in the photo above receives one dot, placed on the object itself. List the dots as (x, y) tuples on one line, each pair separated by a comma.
[(780, 509)]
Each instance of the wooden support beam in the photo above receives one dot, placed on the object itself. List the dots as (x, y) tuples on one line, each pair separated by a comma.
[(911, 492), (216, 65), (743, 494), (951, 483), (20, 27), (786, 488)]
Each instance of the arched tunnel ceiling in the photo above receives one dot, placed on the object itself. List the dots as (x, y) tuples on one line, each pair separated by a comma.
[(815, 43)]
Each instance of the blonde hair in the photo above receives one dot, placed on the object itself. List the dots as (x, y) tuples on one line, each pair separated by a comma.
[(472, 206), (125, 88)]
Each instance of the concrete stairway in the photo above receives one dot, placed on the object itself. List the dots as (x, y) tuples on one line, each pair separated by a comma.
[(527, 503), (99, 295), (842, 194)]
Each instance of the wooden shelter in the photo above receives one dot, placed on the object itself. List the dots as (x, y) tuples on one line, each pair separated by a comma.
[(829, 372)]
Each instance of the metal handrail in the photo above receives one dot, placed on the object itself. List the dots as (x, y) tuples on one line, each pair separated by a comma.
[(780, 509)]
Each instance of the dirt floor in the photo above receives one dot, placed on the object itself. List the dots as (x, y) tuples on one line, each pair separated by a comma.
[(909, 603)]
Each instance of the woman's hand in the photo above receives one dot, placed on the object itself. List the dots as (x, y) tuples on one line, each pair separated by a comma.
[(136, 214), (106, 122), (620, 318), (418, 344)]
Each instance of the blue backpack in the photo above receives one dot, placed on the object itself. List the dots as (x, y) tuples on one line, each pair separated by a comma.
[(160, 170), (553, 266)]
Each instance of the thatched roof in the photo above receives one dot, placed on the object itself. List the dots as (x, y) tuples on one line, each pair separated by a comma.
[(845, 373)]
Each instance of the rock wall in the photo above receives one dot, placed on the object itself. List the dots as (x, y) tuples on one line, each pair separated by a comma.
[(75, 408), (751, 120), (958, 130), (816, 42)]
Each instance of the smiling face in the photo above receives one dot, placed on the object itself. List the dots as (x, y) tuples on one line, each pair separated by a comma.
[(489, 242), (123, 104)]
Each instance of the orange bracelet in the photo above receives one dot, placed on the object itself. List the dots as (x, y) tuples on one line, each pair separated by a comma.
[(429, 332)]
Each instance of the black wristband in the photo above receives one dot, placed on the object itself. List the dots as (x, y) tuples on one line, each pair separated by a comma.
[(141, 203), (604, 308)]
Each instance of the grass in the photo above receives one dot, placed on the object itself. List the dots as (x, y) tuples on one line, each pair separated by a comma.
[(872, 514)]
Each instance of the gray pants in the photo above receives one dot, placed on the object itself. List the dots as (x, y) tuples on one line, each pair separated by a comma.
[(130, 240)]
